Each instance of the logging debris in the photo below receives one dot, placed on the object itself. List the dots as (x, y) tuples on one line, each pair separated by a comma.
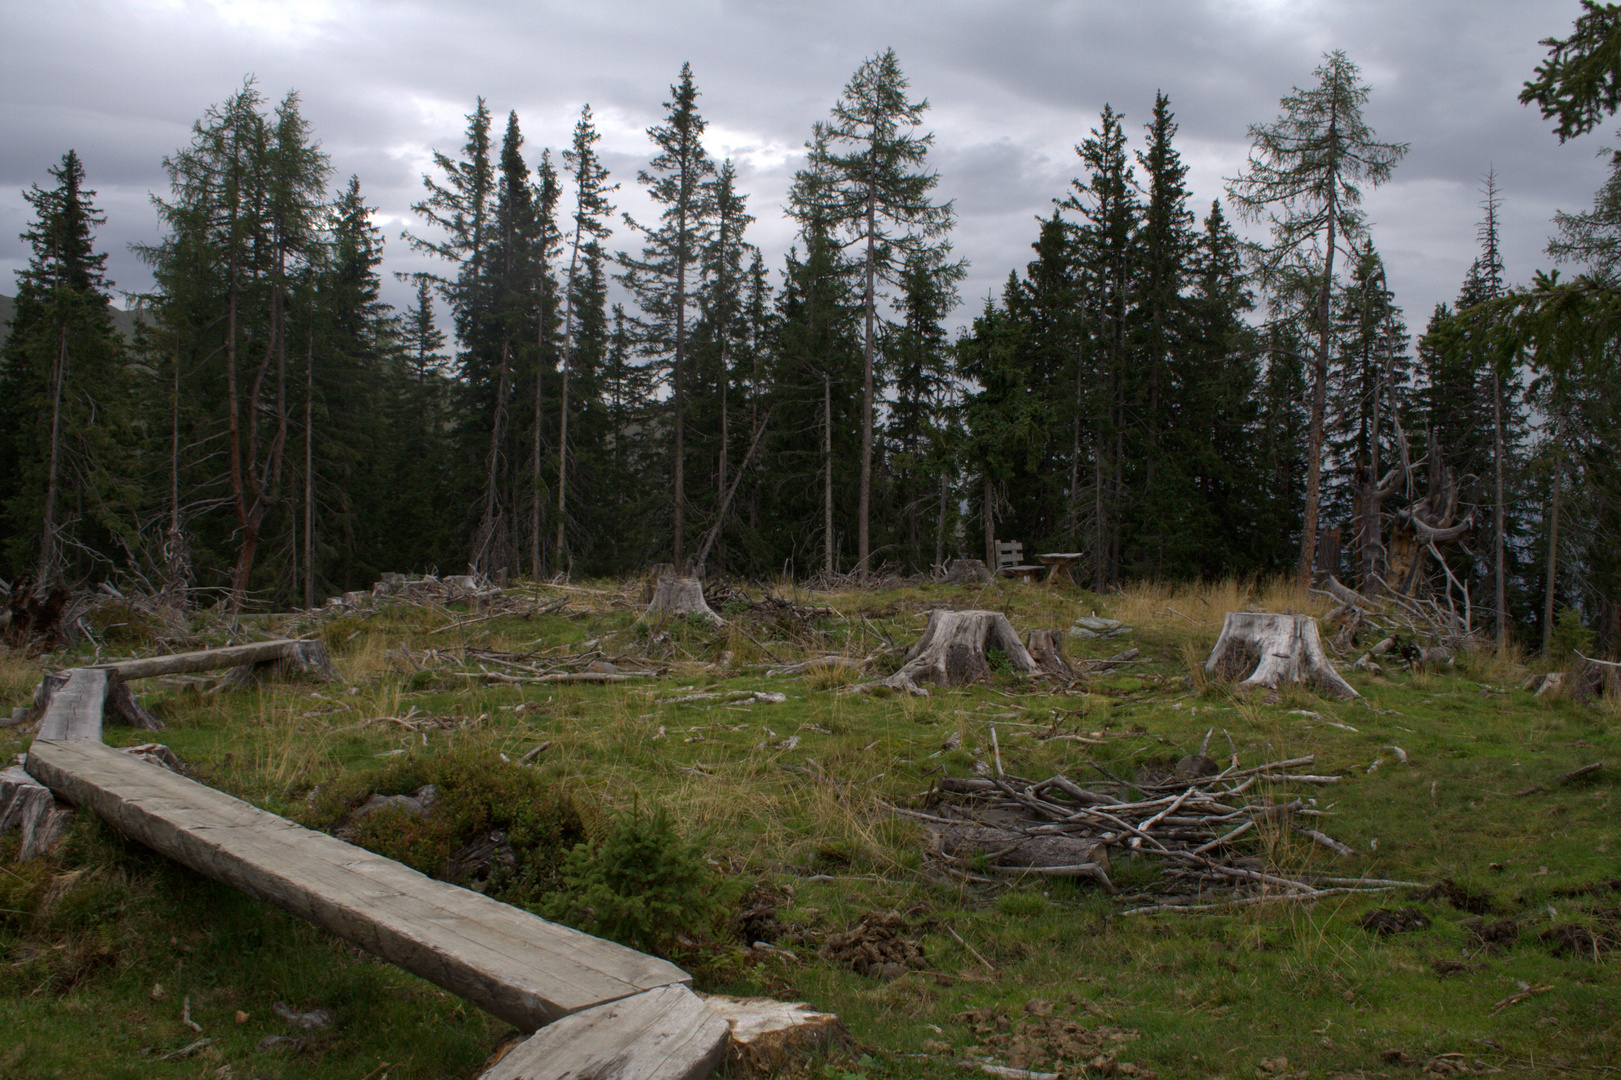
[(1192, 816)]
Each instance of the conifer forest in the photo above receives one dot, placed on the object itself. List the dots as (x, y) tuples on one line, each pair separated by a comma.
[(1176, 389)]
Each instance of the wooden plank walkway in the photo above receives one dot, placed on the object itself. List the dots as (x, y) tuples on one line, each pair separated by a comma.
[(518, 967), (668, 1033), (76, 708)]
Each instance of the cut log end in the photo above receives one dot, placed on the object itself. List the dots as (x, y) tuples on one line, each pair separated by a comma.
[(767, 1035)]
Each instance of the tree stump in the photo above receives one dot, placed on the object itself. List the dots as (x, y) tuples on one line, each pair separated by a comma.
[(28, 805), (952, 650), (1589, 679), (680, 595), (1047, 650), (967, 572), (1274, 649)]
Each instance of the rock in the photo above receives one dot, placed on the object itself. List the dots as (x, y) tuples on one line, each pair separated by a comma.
[(1095, 626), (303, 1021), (417, 804), (967, 572)]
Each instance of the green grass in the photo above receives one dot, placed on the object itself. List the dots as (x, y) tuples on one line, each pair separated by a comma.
[(85, 934)]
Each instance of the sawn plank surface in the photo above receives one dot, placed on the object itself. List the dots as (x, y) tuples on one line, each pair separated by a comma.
[(520, 968)]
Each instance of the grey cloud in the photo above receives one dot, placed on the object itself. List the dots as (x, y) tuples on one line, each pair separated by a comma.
[(1013, 86)]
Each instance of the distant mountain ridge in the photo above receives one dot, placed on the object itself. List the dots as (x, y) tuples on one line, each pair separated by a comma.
[(124, 320)]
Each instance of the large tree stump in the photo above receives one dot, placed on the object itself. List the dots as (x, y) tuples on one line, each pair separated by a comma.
[(680, 595), (952, 650), (1274, 649)]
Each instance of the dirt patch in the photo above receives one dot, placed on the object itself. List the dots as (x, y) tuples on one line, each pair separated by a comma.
[(1387, 921), (1584, 942), (1474, 901), (1035, 1040), (878, 945), (757, 914), (1499, 932)]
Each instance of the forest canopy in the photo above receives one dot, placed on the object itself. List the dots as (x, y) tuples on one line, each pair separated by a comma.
[(574, 391)]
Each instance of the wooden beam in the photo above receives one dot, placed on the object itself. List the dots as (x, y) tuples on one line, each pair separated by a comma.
[(663, 1034), (304, 653), (74, 709), (514, 965)]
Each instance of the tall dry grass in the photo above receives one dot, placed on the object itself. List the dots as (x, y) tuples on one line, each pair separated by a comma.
[(1203, 604), (18, 677)]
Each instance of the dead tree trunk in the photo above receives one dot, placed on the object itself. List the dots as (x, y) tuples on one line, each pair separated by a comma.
[(1274, 649), (952, 651)]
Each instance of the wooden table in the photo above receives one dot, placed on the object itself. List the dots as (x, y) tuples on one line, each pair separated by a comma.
[(1058, 564)]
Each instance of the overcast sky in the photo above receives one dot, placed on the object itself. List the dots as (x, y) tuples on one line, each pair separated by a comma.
[(1012, 87)]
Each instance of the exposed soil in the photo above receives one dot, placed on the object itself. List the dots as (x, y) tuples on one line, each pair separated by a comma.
[(1385, 921), (1474, 901)]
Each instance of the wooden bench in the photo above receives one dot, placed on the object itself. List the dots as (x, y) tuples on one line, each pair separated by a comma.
[(1010, 561)]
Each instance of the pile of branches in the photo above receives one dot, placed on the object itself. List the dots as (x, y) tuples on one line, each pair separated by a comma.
[(484, 600), (35, 619), (1383, 620), (1194, 819), (591, 665)]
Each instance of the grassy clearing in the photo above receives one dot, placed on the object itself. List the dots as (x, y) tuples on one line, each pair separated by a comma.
[(790, 798)]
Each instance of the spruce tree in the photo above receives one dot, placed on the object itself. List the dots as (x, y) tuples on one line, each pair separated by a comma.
[(459, 205), (1104, 241), (1164, 252), (584, 299), (1304, 178), (63, 486), (877, 199), (664, 278)]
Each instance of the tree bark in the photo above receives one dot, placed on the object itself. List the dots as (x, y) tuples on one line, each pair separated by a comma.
[(678, 594), (1553, 538), (1501, 586), (1274, 649), (952, 651), (47, 540), (827, 474)]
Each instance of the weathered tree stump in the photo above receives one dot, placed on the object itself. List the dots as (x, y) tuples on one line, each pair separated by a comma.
[(28, 805), (967, 572), (768, 1036), (1275, 649), (1047, 650), (680, 595), (952, 651), (1589, 679)]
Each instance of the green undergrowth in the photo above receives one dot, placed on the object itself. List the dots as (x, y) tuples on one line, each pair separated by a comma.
[(697, 828)]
